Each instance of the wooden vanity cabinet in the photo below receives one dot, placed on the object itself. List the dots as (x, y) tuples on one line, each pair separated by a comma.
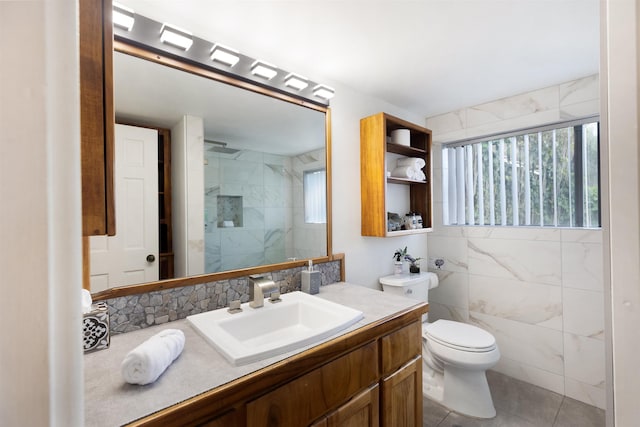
[(368, 377), (376, 151)]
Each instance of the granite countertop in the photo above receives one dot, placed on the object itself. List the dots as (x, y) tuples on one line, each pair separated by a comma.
[(109, 400)]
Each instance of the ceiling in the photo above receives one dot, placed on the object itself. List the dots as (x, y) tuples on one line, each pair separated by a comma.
[(426, 56)]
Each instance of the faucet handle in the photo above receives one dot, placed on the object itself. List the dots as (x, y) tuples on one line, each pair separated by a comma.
[(234, 307), (275, 297)]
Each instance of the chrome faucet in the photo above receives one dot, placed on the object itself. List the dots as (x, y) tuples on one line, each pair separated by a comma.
[(259, 286)]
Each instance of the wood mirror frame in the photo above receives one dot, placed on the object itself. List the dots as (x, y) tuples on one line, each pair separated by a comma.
[(99, 148)]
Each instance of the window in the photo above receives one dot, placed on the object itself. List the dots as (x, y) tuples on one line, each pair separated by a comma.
[(315, 196), (546, 176)]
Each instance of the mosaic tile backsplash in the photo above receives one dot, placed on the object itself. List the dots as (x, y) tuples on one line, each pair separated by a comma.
[(133, 312)]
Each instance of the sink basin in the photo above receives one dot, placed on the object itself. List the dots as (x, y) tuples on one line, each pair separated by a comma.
[(254, 334)]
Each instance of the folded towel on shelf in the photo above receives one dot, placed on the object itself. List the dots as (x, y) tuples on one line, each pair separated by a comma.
[(145, 363), (414, 162), (406, 172), (420, 176)]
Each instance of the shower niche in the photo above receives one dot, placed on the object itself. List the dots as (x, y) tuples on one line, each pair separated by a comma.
[(229, 211)]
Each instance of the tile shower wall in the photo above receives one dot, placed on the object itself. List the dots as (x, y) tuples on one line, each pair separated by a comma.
[(539, 291), (260, 197), (139, 311), (260, 217)]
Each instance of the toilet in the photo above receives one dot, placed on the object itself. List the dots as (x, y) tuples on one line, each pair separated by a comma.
[(455, 355)]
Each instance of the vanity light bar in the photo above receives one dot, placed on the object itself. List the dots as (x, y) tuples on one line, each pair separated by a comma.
[(324, 92), (182, 45), (264, 69), (123, 17), (224, 55), (175, 36), (296, 81)]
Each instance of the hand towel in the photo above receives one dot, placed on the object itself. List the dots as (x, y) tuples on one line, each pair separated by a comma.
[(415, 162), (145, 363)]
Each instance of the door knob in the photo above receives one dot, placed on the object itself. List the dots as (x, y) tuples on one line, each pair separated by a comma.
[(151, 258)]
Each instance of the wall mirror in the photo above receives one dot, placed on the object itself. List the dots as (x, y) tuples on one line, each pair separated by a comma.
[(210, 178)]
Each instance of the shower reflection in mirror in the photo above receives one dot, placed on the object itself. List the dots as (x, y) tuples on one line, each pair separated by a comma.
[(262, 208)]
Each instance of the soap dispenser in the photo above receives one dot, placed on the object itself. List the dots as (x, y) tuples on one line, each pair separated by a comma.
[(310, 280)]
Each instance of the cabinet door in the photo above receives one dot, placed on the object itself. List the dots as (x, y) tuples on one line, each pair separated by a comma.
[(314, 394), (361, 411), (401, 396)]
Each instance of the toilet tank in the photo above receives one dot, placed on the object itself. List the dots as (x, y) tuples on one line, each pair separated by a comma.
[(415, 286)]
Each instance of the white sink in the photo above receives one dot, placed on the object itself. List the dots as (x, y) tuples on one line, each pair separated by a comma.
[(254, 334)]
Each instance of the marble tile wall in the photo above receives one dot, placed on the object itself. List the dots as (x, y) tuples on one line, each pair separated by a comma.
[(539, 291), (259, 235), (133, 312), (272, 218)]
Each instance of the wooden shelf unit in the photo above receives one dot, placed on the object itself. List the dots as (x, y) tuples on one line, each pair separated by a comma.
[(375, 131), (165, 229)]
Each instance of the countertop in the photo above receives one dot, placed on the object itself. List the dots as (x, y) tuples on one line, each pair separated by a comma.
[(110, 401)]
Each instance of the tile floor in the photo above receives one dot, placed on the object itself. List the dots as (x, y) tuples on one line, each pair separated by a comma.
[(519, 404)]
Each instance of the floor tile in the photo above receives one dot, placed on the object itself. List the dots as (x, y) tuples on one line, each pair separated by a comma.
[(500, 420), (519, 404), (529, 402), (577, 414), (432, 413)]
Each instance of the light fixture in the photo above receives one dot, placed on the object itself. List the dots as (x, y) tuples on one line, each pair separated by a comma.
[(264, 69), (174, 36), (182, 45), (324, 92), (123, 17), (296, 81), (225, 55)]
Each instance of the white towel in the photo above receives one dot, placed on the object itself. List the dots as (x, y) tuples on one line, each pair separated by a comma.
[(406, 172), (414, 162), (145, 363)]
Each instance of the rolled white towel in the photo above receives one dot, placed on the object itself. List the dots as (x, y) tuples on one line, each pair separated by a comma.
[(415, 162), (420, 176), (406, 172), (145, 363)]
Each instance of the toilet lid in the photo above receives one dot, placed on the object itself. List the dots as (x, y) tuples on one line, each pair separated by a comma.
[(460, 336)]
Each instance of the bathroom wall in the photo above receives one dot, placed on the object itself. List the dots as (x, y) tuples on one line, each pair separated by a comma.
[(367, 258), (539, 291), (41, 378)]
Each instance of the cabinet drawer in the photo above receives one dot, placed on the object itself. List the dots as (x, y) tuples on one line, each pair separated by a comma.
[(307, 398), (400, 346)]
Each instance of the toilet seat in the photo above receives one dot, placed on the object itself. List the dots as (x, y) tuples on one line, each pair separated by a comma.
[(459, 336)]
